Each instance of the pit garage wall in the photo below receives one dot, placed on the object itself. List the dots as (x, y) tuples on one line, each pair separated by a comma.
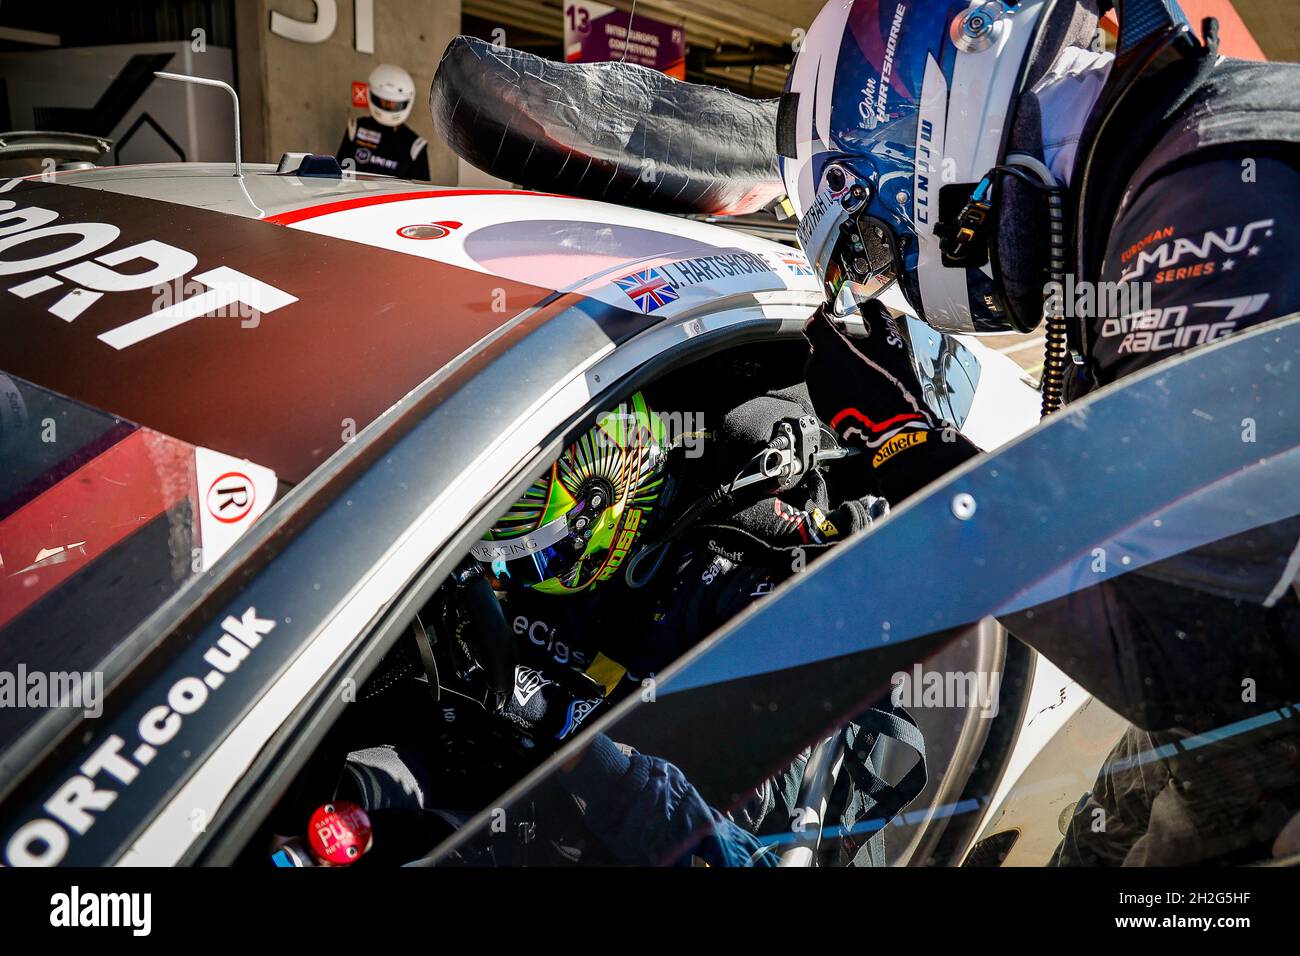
[(297, 96), (1274, 26), (1235, 36)]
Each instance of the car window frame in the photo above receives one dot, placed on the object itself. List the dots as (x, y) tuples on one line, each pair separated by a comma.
[(621, 372)]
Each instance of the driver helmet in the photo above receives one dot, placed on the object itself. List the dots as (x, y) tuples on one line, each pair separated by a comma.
[(894, 113), (575, 525), (392, 94)]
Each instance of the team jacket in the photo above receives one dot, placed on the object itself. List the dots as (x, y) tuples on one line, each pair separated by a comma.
[(1205, 231), (1190, 204), (392, 151), (1188, 211)]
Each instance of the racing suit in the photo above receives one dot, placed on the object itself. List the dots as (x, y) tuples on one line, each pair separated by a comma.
[(1192, 196), (372, 147)]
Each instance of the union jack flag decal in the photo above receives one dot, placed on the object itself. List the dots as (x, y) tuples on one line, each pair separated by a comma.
[(798, 266), (650, 290)]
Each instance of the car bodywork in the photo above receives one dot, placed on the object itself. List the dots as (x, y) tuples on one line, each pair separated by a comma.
[(390, 362)]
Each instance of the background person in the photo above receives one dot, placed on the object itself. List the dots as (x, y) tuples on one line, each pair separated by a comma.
[(382, 142)]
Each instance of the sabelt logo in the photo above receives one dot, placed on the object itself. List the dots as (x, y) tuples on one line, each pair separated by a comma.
[(900, 442), (735, 557)]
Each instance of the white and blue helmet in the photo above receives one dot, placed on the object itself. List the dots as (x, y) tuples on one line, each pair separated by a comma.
[(890, 103)]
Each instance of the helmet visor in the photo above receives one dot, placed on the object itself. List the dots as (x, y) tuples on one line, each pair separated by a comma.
[(391, 106), (867, 263), (549, 552)]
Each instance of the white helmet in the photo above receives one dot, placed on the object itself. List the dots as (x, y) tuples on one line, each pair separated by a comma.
[(392, 94), (894, 114)]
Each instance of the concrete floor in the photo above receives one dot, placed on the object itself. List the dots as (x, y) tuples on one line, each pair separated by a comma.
[(1025, 350)]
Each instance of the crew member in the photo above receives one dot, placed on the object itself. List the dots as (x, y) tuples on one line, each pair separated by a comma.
[(382, 142)]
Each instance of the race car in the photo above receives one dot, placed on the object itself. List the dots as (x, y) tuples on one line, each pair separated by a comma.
[(252, 424), (199, 366)]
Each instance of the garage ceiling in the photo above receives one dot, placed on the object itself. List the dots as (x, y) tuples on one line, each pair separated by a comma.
[(755, 36), (741, 44)]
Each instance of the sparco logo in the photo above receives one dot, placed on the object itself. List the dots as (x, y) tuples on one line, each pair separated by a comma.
[(579, 711)]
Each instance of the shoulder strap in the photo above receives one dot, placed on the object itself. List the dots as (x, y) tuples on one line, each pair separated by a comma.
[(898, 725), (881, 800), (1240, 107)]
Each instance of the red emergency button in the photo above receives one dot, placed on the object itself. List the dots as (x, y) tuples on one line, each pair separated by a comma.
[(339, 833)]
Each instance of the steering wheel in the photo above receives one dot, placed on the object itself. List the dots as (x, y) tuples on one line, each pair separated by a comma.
[(467, 612)]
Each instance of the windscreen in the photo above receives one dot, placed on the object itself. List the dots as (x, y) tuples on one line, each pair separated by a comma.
[(101, 522), (1083, 649)]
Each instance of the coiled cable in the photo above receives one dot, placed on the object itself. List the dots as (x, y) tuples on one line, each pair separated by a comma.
[(1056, 351)]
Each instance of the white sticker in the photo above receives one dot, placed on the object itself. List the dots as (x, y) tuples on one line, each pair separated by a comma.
[(232, 494)]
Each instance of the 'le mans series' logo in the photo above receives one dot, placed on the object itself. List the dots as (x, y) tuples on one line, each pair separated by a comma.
[(900, 442)]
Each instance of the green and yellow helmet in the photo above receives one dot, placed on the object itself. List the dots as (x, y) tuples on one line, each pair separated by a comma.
[(575, 525)]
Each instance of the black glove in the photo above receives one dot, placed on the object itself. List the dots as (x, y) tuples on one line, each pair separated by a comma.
[(546, 710), (866, 389), (770, 531)]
